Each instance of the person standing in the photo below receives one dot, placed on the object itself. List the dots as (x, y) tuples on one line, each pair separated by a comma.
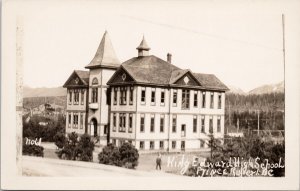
[(158, 161)]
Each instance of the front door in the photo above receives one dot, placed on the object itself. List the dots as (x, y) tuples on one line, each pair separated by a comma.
[(94, 128)]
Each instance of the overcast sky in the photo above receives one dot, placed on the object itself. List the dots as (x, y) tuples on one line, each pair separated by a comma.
[(242, 47)]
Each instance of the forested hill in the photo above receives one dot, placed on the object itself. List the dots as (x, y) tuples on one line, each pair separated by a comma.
[(250, 102)]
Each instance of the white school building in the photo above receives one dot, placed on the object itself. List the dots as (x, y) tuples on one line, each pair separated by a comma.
[(146, 101)]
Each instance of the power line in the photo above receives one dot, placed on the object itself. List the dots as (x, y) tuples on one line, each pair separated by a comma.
[(202, 33)]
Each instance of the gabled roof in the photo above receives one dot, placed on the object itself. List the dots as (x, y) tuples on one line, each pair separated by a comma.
[(152, 70), (105, 55), (210, 81), (83, 77)]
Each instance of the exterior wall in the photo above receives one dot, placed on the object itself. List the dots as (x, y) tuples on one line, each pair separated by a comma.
[(76, 109), (101, 114), (185, 117)]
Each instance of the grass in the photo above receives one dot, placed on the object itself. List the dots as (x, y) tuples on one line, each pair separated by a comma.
[(147, 162)]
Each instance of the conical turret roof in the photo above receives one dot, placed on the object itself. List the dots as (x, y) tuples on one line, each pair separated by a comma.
[(143, 45), (105, 55)]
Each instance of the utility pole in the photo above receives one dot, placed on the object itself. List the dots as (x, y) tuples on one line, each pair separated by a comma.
[(258, 123)]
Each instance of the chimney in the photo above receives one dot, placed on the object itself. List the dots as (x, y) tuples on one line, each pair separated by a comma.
[(169, 58)]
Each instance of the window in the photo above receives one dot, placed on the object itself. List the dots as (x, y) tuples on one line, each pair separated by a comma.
[(219, 125), (115, 96), (70, 97), (76, 96), (122, 122), (152, 124), (142, 144), (75, 121), (174, 123), (220, 101), (173, 144), (202, 124), (95, 81), (151, 145), (142, 126), (211, 130), (105, 129), (114, 122), (143, 96), (161, 144), (211, 100), (195, 124), (182, 145), (114, 142), (131, 96), (94, 95), (185, 102), (183, 130), (162, 97), (82, 97), (70, 120), (175, 98), (195, 99), (162, 123), (130, 123), (153, 96), (202, 143), (81, 121), (123, 93), (203, 100)]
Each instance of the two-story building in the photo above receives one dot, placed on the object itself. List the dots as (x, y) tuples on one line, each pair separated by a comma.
[(148, 101)]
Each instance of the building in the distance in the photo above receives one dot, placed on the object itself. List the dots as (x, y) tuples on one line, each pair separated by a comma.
[(146, 101)]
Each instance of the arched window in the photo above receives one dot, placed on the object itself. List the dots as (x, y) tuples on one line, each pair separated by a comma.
[(95, 81)]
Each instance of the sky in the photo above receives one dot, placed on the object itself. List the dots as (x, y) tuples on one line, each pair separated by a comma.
[(241, 46)]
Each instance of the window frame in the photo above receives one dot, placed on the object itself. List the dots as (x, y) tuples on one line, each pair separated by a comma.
[(195, 98), (203, 99), (211, 125), (220, 101), (130, 122), (185, 99), (152, 123), (162, 97), (143, 96), (162, 123), (175, 98), (219, 124), (142, 145), (142, 125), (95, 95), (151, 148), (212, 96), (153, 96), (174, 123), (195, 124)]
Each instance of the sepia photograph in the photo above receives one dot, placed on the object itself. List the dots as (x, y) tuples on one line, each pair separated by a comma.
[(122, 93)]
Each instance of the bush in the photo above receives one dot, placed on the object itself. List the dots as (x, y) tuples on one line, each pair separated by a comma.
[(129, 155), (75, 148), (85, 148), (126, 155), (60, 140), (110, 155), (33, 150)]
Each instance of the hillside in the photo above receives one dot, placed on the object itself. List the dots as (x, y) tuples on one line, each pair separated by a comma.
[(270, 88), (44, 92)]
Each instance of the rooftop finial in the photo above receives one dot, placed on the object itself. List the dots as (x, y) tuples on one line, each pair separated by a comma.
[(143, 48)]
